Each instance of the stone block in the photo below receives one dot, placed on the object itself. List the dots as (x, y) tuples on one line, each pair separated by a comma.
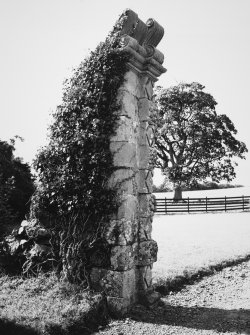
[(144, 106), (148, 89), (122, 257), (132, 83), (120, 284), (149, 298), (150, 135), (124, 154), (126, 130), (118, 307), (146, 181), (121, 232), (145, 229), (147, 205), (147, 253), (125, 180), (39, 249), (142, 138), (144, 205), (144, 157), (143, 278), (128, 209), (128, 104), (146, 133)]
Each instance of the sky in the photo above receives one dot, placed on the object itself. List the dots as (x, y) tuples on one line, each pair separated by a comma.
[(207, 41)]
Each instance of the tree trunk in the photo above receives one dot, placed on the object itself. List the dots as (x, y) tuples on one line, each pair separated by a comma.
[(177, 193)]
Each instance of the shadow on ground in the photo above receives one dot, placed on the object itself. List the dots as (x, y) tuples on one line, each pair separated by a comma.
[(8, 327), (202, 318)]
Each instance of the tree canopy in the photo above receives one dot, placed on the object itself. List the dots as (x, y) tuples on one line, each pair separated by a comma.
[(16, 185), (192, 141)]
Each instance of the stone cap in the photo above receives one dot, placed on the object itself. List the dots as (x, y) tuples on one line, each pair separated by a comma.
[(140, 39)]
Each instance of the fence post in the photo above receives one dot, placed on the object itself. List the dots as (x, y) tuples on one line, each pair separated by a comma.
[(206, 204), (243, 203), (166, 206), (225, 203), (188, 204)]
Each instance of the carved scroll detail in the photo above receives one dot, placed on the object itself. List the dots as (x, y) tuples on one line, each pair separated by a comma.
[(134, 27), (155, 33), (140, 40)]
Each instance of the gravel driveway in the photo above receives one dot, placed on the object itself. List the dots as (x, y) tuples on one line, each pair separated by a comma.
[(218, 304)]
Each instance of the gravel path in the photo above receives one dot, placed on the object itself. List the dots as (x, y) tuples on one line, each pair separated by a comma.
[(218, 304)]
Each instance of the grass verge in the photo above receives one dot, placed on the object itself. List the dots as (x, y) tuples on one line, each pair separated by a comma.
[(45, 305), (167, 285)]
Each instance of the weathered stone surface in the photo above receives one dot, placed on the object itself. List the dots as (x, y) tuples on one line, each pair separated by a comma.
[(146, 133), (132, 84), (138, 31), (128, 209), (127, 275), (149, 298), (40, 249), (126, 180), (146, 35), (155, 32), (124, 154), (145, 107), (147, 161), (118, 307), (150, 135), (147, 253), (145, 229), (126, 131), (122, 257), (99, 255), (142, 140), (148, 89), (128, 103), (144, 154), (143, 278), (121, 232), (119, 284), (146, 203), (145, 60), (146, 182)]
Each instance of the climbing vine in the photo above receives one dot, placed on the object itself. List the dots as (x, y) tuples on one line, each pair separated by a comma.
[(72, 198)]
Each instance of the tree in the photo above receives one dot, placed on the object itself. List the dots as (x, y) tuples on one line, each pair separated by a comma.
[(16, 185), (192, 141)]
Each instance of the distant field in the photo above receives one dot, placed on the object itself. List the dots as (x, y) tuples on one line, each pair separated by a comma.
[(194, 241), (229, 192)]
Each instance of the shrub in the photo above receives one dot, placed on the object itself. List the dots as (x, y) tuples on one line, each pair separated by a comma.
[(73, 198), (16, 185)]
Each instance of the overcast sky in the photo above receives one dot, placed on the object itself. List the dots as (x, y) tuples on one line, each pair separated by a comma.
[(43, 40)]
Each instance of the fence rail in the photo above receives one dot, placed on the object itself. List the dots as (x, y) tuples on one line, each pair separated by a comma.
[(191, 205)]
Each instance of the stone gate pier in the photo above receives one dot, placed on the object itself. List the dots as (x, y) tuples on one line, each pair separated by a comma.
[(129, 276)]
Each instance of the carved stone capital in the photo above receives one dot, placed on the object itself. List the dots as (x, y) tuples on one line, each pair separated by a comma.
[(140, 39)]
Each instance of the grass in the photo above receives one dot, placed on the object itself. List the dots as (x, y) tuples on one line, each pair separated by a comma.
[(193, 246), (46, 305), (168, 285), (190, 247)]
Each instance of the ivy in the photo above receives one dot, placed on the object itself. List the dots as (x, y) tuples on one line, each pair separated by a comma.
[(73, 198)]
